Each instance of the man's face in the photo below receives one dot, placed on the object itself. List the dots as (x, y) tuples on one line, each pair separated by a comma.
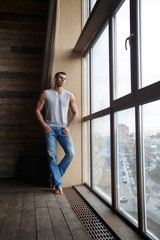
[(60, 80)]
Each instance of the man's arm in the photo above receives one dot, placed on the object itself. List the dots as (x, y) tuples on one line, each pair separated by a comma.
[(39, 107), (74, 110)]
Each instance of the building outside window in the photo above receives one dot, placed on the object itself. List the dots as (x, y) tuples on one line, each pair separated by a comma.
[(125, 153), (151, 165), (101, 156)]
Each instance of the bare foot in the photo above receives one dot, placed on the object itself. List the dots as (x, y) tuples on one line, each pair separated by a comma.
[(58, 191), (52, 185)]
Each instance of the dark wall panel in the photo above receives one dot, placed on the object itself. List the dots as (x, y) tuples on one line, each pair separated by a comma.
[(22, 39)]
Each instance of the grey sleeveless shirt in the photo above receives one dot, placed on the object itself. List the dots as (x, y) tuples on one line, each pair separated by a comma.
[(56, 108)]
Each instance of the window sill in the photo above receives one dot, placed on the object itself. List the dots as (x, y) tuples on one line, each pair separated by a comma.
[(122, 230)]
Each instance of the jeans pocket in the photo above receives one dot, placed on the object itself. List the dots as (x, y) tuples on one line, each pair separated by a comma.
[(48, 133), (63, 132)]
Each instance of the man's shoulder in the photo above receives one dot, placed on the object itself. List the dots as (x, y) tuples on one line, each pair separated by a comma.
[(66, 91), (45, 90), (46, 93), (70, 95), (48, 90)]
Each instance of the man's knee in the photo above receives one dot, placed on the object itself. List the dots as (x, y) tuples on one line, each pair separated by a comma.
[(71, 154), (52, 157)]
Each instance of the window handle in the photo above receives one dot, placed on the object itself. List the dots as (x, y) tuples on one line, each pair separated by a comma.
[(128, 39)]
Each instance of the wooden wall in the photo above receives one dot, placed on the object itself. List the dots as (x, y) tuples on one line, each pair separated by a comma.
[(22, 38)]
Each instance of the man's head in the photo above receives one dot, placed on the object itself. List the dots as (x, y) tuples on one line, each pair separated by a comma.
[(58, 73), (60, 78)]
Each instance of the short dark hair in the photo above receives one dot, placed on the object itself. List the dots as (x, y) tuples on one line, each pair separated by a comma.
[(57, 74)]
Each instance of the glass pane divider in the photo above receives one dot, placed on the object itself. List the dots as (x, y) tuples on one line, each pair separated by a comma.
[(113, 163), (97, 114), (139, 170), (91, 158)]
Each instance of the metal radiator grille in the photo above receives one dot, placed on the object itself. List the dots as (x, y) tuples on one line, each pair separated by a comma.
[(92, 223)]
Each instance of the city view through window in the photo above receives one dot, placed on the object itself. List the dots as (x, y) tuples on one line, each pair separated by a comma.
[(102, 157), (126, 162), (151, 161), (125, 138)]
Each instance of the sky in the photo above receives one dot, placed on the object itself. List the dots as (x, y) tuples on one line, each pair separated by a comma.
[(150, 41)]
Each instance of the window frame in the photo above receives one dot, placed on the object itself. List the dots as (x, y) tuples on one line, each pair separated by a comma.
[(136, 98)]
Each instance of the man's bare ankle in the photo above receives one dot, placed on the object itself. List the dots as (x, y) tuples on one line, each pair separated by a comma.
[(60, 191)]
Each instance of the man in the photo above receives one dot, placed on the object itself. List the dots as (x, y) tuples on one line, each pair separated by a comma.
[(56, 102)]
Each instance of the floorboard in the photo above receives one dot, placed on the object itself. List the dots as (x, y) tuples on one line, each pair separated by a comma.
[(29, 212)]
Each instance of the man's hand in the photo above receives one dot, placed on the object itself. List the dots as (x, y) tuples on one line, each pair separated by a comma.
[(66, 130), (47, 129)]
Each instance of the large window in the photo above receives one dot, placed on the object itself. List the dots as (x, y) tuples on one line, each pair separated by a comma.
[(122, 114), (100, 73)]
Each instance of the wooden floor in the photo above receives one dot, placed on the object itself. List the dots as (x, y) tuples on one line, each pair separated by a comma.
[(30, 212)]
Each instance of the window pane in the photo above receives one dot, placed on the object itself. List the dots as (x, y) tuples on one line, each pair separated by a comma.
[(100, 73), (86, 86), (126, 163), (93, 3), (150, 39), (151, 140), (101, 156), (87, 152), (122, 84), (86, 10)]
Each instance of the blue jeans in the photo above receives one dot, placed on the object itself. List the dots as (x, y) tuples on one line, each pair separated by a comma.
[(66, 142)]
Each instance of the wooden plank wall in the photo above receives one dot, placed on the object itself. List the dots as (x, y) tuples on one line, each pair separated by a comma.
[(22, 39)]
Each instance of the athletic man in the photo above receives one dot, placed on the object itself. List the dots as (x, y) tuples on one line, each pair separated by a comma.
[(56, 102)]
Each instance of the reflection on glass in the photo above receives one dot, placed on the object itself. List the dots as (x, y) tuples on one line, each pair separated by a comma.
[(150, 39), (86, 86), (87, 152), (101, 156), (151, 154), (126, 163), (100, 73), (122, 84)]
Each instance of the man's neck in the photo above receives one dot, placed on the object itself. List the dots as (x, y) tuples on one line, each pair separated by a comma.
[(58, 89)]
